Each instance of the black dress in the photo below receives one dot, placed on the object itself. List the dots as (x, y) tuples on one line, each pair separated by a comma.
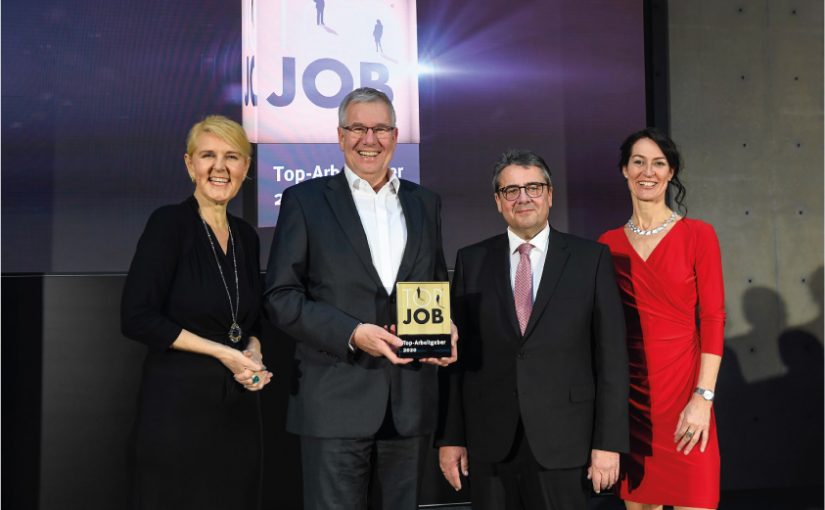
[(197, 436)]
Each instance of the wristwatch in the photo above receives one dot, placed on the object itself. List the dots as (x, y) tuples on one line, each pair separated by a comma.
[(705, 394)]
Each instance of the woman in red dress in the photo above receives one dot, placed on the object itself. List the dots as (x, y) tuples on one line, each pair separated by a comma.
[(669, 271)]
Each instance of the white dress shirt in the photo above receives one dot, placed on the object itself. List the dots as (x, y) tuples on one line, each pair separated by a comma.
[(383, 221), (537, 255)]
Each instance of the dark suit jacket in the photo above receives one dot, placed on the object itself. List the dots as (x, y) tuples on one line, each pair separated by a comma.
[(567, 377), (321, 284)]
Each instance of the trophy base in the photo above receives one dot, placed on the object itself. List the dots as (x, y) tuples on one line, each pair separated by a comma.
[(425, 346)]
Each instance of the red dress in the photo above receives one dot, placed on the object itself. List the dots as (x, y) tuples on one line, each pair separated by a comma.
[(663, 297)]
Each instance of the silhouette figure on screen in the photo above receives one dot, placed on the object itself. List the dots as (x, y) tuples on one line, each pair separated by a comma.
[(319, 12), (249, 93), (377, 32)]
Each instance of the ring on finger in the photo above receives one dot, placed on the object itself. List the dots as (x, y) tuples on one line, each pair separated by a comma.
[(255, 379), (689, 434)]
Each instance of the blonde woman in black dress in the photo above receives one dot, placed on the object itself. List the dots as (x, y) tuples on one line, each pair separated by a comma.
[(193, 296)]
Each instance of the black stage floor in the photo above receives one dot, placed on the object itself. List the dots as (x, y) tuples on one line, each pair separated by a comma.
[(799, 498)]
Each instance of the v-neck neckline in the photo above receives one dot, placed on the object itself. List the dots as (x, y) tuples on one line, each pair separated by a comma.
[(218, 248), (655, 248)]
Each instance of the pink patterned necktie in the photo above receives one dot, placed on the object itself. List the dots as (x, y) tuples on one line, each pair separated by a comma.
[(523, 289)]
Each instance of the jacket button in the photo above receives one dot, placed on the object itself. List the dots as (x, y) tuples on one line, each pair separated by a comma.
[(520, 355)]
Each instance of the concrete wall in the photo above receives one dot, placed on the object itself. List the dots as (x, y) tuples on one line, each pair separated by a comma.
[(746, 109)]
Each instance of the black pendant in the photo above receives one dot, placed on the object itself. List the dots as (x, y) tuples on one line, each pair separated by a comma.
[(235, 333)]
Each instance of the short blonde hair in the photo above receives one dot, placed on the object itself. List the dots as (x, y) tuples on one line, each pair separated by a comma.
[(224, 128)]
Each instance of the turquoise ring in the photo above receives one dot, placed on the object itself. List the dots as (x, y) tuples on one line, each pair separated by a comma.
[(255, 379)]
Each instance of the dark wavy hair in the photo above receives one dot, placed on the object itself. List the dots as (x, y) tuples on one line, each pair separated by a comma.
[(674, 159)]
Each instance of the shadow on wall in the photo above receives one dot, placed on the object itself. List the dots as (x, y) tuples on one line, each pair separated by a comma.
[(771, 430)]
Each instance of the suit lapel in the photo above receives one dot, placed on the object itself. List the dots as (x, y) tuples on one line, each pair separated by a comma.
[(340, 200), (557, 255), (413, 218), (498, 267)]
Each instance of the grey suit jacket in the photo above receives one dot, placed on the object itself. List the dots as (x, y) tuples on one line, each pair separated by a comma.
[(321, 284)]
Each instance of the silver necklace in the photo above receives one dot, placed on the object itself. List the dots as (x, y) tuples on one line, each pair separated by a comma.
[(653, 231), (235, 332)]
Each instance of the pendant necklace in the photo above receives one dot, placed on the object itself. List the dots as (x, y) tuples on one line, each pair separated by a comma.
[(235, 332), (653, 231)]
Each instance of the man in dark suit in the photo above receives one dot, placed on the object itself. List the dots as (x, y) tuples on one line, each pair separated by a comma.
[(537, 403), (340, 245)]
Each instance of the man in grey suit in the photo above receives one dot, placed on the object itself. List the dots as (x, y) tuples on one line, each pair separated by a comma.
[(340, 245)]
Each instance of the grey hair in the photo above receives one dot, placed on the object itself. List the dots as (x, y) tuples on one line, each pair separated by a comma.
[(364, 95), (519, 157)]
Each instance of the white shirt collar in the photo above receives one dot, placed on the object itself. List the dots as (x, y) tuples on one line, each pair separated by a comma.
[(539, 241), (358, 183)]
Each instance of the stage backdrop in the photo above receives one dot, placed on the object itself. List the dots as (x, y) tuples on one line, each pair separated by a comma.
[(296, 75), (97, 97)]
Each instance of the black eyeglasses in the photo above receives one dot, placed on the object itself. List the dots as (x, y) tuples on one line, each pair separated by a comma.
[(380, 131), (533, 190)]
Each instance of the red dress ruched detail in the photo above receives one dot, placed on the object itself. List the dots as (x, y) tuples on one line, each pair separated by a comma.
[(674, 308)]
